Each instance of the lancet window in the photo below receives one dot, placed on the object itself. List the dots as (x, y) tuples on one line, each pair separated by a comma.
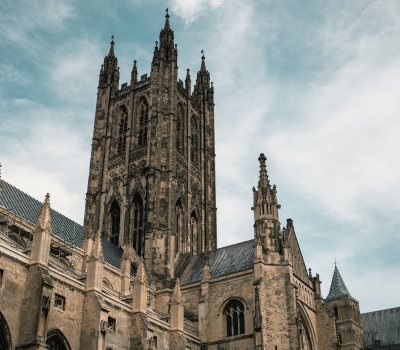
[(234, 314), (193, 233), (55, 342), (143, 121), (122, 130), (179, 227), (138, 229), (115, 214), (194, 145), (179, 129)]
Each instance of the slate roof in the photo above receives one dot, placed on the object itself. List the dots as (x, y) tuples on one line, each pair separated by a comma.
[(226, 260), (28, 208), (383, 325), (338, 288)]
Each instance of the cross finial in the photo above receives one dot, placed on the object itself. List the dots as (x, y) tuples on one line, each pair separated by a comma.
[(202, 52), (166, 10), (112, 39), (335, 263)]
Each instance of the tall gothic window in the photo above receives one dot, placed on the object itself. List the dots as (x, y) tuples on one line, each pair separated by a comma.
[(138, 229), (179, 130), (194, 145), (115, 220), (179, 227), (234, 314), (5, 339), (143, 121), (122, 130), (193, 233)]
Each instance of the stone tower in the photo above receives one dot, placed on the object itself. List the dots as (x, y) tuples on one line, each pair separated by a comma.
[(347, 314), (151, 182)]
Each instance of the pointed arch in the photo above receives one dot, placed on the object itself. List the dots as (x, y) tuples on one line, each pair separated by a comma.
[(142, 121), (178, 227), (107, 282), (180, 127), (115, 220), (193, 233), (137, 224), (122, 129), (56, 340), (5, 334), (309, 335)]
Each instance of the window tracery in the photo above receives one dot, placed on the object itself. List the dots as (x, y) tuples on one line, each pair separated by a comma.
[(194, 141), (179, 227), (115, 213), (179, 129), (143, 121), (234, 314), (138, 229), (193, 233), (122, 130)]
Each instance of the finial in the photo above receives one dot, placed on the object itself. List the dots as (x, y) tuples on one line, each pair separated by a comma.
[(112, 39), (202, 52), (167, 15), (309, 273), (335, 263)]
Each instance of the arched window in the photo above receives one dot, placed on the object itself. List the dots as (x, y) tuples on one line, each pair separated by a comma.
[(194, 145), (5, 336), (179, 227), (57, 341), (179, 129), (336, 312), (193, 233), (143, 121), (122, 130), (115, 219), (234, 314), (138, 229)]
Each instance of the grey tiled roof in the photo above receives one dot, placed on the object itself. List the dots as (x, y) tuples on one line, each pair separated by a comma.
[(383, 325), (223, 261), (338, 288), (28, 208)]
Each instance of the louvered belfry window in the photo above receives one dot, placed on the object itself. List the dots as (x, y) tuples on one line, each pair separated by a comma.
[(138, 228), (115, 219), (122, 131), (234, 314), (143, 121)]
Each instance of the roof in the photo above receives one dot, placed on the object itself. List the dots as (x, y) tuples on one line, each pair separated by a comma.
[(28, 208), (338, 288), (226, 260), (383, 325)]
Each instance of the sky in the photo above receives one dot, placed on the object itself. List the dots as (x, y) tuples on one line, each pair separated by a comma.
[(314, 85)]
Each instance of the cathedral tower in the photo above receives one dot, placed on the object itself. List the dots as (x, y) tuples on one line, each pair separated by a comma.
[(152, 171)]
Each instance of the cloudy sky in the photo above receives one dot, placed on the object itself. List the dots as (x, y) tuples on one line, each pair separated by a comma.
[(313, 85)]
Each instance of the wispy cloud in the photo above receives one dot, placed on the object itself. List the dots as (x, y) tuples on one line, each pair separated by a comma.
[(190, 10)]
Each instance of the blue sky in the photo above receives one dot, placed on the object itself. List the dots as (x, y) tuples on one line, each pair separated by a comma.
[(313, 85)]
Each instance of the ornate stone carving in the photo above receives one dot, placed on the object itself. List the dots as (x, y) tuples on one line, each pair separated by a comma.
[(46, 302)]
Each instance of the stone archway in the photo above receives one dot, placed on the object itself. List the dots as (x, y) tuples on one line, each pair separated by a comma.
[(5, 334)]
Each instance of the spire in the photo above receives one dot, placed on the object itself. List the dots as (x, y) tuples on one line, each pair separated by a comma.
[(44, 221), (97, 251), (263, 182), (111, 53), (203, 63), (167, 27), (338, 288)]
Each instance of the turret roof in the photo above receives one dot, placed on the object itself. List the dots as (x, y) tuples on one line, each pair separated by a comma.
[(338, 288)]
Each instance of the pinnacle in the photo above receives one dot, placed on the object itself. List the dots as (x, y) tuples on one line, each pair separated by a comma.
[(177, 292), (97, 251), (111, 53), (141, 273), (44, 220), (203, 64), (263, 181), (167, 27)]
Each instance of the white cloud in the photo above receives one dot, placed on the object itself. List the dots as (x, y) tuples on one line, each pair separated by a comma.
[(190, 10)]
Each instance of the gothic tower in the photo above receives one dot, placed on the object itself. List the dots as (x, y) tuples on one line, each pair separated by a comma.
[(151, 182)]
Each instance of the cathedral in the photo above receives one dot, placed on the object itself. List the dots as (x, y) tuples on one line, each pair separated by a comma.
[(144, 271)]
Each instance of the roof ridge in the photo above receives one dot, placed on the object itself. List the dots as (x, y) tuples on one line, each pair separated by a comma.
[(372, 312), (231, 245), (39, 203)]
